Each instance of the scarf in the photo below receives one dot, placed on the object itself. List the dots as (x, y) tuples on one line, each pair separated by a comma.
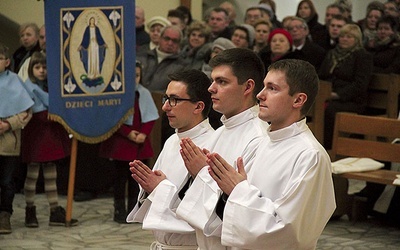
[(147, 107), (338, 55), (14, 99), (38, 95)]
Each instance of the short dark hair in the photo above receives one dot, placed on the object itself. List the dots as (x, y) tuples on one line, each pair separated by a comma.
[(4, 51), (197, 84), (301, 77), (219, 9), (337, 6), (176, 13), (245, 64), (37, 57), (340, 17), (392, 21), (186, 12)]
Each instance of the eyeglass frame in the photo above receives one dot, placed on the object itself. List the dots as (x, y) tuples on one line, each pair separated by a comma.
[(175, 100), (174, 40)]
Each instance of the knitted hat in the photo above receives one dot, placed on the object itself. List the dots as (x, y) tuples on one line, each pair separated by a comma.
[(251, 32), (223, 43), (158, 20), (283, 32), (267, 8)]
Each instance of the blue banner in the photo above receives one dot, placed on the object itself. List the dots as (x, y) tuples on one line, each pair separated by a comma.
[(91, 65)]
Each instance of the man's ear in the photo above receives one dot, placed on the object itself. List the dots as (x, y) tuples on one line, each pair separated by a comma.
[(249, 86), (300, 99), (199, 107), (8, 62)]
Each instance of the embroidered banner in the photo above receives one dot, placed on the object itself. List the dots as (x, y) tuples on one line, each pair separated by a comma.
[(91, 65)]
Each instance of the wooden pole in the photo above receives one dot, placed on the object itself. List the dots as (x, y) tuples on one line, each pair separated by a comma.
[(71, 181)]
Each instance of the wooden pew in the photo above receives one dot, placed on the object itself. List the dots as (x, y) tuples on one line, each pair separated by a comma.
[(346, 144), (383, 95), (315, 117)]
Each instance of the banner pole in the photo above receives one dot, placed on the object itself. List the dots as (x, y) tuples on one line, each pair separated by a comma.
[(71, 181)]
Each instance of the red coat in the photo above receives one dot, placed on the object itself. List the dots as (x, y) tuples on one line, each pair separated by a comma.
[(44, 140), (119, 147)]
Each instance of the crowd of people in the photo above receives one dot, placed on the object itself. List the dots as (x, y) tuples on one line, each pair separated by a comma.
[(239, 166)]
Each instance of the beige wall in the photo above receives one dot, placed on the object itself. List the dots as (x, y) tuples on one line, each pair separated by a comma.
[(21, 11)]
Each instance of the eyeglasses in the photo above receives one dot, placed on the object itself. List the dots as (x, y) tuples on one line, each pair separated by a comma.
[(167, 39), (1, 58), (290, 28), (173, 101)]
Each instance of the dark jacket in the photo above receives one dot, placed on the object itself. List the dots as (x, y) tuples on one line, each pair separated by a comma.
[(155, 75), (311, 52), (386, 58), (142, 37), (350, 78)]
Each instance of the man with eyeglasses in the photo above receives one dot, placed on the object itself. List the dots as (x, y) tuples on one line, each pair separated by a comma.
[(237, 78), (303, 48), (186, 103), (163, 60)]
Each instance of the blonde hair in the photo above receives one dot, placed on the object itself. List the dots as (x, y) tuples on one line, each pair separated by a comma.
[(34, 26), (204, 29), (353, 30)]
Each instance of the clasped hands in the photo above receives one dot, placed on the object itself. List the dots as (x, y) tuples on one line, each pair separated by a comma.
[(136, 136), (145, 177), (220, 170)]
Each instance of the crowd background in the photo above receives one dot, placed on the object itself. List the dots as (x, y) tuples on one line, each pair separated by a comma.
[(13, 13)]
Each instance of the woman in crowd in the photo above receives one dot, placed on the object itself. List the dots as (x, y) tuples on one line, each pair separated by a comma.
[(368, 25), (307, 11), (198, 47), (29, 39), (348, 66), (385, 48), (280, 43), (155, 25)]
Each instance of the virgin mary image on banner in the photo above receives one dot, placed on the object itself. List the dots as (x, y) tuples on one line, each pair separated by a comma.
[(92, 51)]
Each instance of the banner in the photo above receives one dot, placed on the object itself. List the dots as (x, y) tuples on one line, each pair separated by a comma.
[(91, 65)]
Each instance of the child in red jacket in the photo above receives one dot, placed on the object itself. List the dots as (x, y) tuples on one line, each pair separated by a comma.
[(131, 142)]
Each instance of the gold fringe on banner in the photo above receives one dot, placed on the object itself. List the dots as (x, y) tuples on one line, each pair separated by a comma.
[(87, 139)]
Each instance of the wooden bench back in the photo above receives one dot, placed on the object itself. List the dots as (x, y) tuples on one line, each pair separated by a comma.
[(383, 94), (349, 127), (316, 114)]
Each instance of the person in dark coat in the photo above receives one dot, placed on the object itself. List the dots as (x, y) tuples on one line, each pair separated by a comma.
[(303, 48), (335, 25), (142, 37), (29, 38), (219, 24), (385, 48), (307, 11), (280, 43), (348, 66)]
